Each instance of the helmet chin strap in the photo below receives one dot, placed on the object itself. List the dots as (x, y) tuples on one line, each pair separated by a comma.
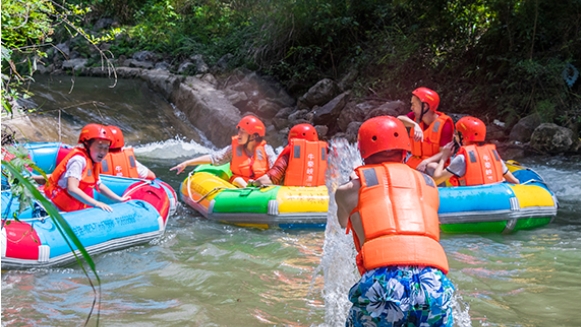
[(424, 111), (88, 148)]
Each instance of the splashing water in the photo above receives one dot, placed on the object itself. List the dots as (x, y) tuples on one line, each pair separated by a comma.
[(338, 262)]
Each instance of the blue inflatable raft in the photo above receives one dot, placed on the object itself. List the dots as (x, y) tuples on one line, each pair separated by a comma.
[(33, 240)]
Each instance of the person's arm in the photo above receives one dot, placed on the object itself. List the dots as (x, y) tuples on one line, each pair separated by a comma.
[(447, 138), (275, 175), (205, 159), (433, 159), (508, 176), (408, 122), (144, 172), (110, 194), (77, 193), (440, 173), (346, 197)]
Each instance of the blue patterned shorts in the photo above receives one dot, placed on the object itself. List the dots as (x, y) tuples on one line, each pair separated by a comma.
[(407, 296)]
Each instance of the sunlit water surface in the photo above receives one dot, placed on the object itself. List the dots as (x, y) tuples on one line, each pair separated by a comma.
[(202, 273)]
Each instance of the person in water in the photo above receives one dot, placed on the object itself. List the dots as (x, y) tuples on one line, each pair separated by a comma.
[(71, 185), (302, 162), (485, 165), (392, 211), (120, 161), (247, 154), (430, 129)]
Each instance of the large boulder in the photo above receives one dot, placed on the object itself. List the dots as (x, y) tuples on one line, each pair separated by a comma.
[(554, 139), (328, 114), (522, 131), (319, 94)]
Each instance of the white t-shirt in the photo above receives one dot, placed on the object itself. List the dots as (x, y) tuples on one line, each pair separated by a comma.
[(75, 168), (142, 171)]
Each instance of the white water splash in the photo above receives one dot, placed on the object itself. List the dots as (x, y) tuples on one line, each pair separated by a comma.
[(338, 262), (172, 149)]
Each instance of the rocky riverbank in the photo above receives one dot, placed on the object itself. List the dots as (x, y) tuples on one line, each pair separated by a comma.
[(214, 99)]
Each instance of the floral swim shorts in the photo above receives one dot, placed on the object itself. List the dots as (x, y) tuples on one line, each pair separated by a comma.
[(401, 296)]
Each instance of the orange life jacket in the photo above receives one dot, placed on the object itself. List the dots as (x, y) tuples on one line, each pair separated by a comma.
[(431, 143), (245, 166), (307, 163), (483, 166), (398, 207), (60, 196), (120, 163)]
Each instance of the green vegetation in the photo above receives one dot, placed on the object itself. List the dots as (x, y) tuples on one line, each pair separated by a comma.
[(499, 58)]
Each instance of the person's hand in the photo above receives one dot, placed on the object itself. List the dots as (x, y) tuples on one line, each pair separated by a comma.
[(252, 183), (179, 168), (418, 133), (422, 166), (125, 198), (103, 206), (447, 150)]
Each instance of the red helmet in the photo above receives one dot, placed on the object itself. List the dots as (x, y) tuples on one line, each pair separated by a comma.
[(428, 96), (94, 131), (471, 128), (116, 136), (252, 125), (382, 133), (303, 131)]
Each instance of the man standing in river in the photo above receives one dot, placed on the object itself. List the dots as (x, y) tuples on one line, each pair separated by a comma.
[(392, 211)]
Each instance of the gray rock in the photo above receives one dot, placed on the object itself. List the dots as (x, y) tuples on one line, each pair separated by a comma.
[(75, 64), (319, 94), (391, 108), (145, 56), (201, 66), (328, 114), (522, 131), (553, 139)]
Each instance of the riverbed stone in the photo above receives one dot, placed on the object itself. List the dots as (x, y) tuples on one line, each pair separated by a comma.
[(554, 139), (522, 131)]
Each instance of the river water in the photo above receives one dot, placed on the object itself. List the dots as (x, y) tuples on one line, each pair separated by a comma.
[(202, 273)]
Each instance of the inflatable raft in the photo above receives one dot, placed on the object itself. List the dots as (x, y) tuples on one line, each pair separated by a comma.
[(33, 240), (495, 208), (285, 207), (498, 208)]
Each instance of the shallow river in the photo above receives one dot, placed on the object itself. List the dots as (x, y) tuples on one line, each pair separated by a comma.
[(202, 273)]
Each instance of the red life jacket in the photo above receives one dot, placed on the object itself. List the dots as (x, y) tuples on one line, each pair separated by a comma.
[(483, 166), (307, 163), (120, 163), (398, 207), (60, 196), (431, 143), (245, 166)]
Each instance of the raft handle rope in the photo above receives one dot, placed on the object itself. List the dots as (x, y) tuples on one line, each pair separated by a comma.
[(214, 190), (534, 181)]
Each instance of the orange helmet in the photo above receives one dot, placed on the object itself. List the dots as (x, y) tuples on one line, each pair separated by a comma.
[(303, 131), (428, 96), (116, 136), (382, 133), (471, 128), (252, 125), (94, 131)]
